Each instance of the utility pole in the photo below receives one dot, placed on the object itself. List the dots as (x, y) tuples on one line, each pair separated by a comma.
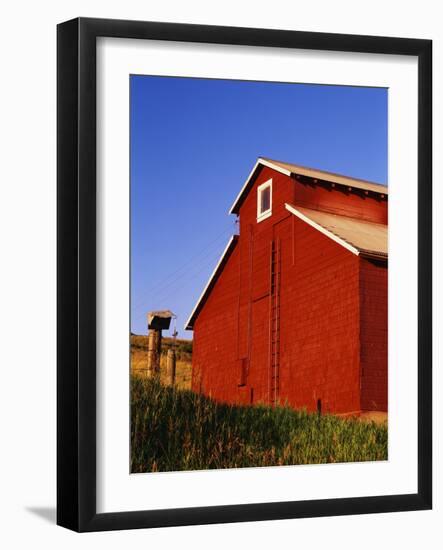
[(171, 359)]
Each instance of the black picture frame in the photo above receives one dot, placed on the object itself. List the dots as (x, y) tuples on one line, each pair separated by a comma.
[(76, 280)]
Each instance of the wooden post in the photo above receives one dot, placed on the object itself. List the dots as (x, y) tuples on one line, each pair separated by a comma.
[(157, 321), (170, 367), (154, 350)]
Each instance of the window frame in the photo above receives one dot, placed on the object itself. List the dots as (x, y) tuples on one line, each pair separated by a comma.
[(267, 213)]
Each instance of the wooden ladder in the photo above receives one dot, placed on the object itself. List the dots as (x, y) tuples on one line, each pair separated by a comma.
[(274, 322)]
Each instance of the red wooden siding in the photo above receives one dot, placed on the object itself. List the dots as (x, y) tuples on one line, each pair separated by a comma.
[(320, 196), (214, 358), (374, 335), (320, 324), (339, 200), (328, 326)]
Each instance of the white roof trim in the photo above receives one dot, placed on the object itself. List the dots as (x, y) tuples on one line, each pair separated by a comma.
[(263, 162), (320, 228), (202, 295)]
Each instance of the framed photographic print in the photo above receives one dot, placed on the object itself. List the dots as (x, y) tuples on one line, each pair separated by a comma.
[(244, 274)]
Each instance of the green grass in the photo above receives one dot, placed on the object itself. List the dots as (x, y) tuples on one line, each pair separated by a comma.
[(174, 430)]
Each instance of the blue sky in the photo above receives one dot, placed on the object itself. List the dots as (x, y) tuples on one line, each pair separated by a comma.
[(193, 144)]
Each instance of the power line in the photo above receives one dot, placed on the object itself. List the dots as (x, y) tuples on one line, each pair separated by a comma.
[(191, 262), (182, 282), (169, 296)]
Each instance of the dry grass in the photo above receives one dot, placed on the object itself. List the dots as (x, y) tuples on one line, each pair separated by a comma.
[(139, 359)]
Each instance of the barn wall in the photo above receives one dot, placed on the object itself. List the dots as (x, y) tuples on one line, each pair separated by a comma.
[(374, 334), (320, 322), (231, 333), (319, 318), (283, 191), (215, 369), (255, 245)]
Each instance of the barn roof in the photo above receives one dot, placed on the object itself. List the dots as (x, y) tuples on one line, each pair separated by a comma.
[(360, 237), (295, 169), (189, 325)]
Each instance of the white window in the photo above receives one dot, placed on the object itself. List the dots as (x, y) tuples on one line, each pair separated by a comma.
[(264, 200)]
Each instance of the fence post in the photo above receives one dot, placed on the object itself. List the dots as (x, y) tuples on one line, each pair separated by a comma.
[(154, 350), (170, 367)]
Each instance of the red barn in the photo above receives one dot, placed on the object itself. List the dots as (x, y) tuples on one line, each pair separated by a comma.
[(296, 309)]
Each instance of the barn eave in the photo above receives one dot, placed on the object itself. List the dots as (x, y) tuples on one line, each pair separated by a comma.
[(314, 175), (189, 325)]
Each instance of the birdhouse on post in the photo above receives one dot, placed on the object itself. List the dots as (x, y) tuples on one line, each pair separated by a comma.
[(157, 321)]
